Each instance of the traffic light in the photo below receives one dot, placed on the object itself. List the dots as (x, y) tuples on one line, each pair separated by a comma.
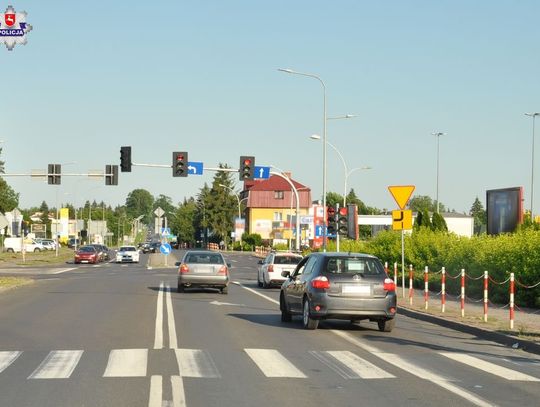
[(111, 175), (247, 168), (180, 164), (352, 217), (343, 222), (54, 174), (330, 221), (125, 158)]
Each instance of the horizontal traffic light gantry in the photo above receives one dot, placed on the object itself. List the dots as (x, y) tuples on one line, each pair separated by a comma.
[(125, 158), (247, 167), (180, 163)]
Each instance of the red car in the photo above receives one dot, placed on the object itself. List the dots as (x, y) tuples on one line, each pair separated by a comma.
[(86, 254)]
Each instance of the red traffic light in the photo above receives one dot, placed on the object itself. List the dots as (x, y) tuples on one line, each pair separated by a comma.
[(180, 157), (247, 162), (343, 211), (331, 210)]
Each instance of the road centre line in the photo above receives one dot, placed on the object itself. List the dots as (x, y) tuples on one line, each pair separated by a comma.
[(158, 337), (173, 342), (398, 362)]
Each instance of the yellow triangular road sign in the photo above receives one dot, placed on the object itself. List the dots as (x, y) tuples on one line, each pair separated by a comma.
[(402, 194)]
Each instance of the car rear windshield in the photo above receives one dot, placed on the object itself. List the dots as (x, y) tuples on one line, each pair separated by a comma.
[(204, 258), (128, 249), (87, 249), (354, 265), (287, 259)]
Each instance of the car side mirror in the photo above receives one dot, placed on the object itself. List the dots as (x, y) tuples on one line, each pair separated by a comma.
[(177, 264), (285, 273)]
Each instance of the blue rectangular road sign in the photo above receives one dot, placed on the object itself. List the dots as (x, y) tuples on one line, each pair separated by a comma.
[(195, 168), (262, 172)]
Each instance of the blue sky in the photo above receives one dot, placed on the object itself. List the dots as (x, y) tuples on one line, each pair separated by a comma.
[(201, 76)]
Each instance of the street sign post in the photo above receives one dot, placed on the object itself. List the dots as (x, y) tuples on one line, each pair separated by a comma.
[(402, 220)]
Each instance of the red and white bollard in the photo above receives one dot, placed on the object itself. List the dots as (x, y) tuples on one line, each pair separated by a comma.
[(395, 274), (443, 290), (512, 291), (486, 279), (462, 292), (411, 293), (426, 288)]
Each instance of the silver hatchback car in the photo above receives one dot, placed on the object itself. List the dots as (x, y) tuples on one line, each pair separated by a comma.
[(351, 286), (203, 268)]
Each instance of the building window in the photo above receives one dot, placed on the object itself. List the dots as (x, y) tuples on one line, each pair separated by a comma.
[(278, 216), (278, 194)]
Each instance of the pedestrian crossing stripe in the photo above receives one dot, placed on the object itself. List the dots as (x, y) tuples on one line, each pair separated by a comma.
[(197, 363)]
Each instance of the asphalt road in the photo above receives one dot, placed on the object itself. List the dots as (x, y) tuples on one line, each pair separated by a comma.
[(120, 335)]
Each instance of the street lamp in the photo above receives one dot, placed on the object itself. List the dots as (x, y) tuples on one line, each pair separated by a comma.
[(345, 168), (533, 115), (290, 71), (438, 135)]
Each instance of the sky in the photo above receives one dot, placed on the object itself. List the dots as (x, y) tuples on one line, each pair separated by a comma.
[(202, 77)]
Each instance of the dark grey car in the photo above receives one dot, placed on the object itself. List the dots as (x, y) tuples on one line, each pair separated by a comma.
[(203, 268), (351, 286)]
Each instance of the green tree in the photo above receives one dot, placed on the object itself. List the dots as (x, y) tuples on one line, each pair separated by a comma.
[(354, 200), (183, 223), (2, 164), (479, 214), (426, 222), (44, 209), (333, 198), (438, 223), (140, 202), (422, 203), (9, 199)]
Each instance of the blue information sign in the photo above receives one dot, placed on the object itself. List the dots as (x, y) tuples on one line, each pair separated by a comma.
[(165, 248), (195, 168), (262, 172)]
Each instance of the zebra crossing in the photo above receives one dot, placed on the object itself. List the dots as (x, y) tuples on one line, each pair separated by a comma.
[(271, 363)]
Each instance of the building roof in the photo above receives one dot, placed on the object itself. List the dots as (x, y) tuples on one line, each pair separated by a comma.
[(275, 183)]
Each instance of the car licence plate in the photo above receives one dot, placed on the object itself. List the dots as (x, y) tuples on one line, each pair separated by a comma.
[(84, 261), (356, 289)]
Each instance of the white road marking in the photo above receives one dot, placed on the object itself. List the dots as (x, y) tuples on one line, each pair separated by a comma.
[(195, 363), (173, 341), (415, 370), (59, 364), (489, 367), (158, 338), (350, 366), (256, 292), (274, 364), (156, 391), (127, 363), (7, 358), (64, 270), (179, 396)]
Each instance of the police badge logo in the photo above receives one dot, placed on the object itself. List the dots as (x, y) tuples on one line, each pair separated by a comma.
[(13, 28)]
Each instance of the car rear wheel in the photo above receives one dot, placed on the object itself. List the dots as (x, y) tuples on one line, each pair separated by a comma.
[(259, 280), (225, 290), (286, 316), (308, 322), (10, 250), (386, 325), (36, 250)]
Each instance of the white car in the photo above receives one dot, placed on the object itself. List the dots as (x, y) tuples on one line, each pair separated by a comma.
[(270, 269), (127, 254)]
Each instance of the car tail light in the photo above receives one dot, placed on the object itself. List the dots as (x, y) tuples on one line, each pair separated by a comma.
[(184, 268), (320, 282), (223, 271), (389, 285), (271, 268)]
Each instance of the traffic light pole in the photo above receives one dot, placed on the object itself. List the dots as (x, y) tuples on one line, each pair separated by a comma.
[(337, 231)]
